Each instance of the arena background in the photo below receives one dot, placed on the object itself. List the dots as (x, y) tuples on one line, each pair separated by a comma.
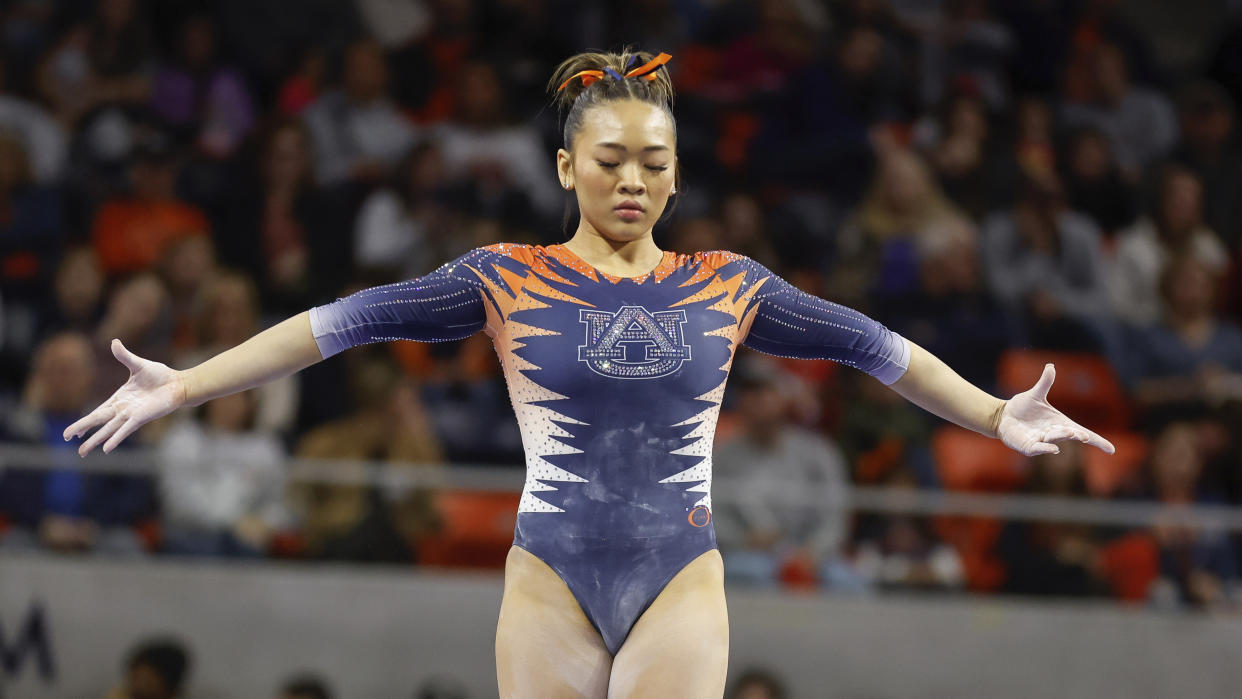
[(1006, 183)]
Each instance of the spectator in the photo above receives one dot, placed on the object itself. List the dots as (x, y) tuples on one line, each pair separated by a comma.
[(762, 537), (505, 163), (65, 509), (97, 78), (307, 686), (226, 316), (390, 424), (398, 226), (902, 552), (966, 157), (131, 233), (76, 302), (967, 45), (302, 88), (31, 232), (1197, 566), (282, 229), (221, 482), (200, 100), (1093, 181), (876, 249), (1043, 263), (1053, 558), (951, 314), (358, 133), (1192, 359), (1210, 148), (1140, 122), (1175, 227), (156, 669), (138, 313), (42, 138), (757, 683)]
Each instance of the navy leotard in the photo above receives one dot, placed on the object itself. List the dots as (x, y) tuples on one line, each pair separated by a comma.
[(616, 383)]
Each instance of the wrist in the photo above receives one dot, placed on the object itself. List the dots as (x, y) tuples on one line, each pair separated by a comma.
[(183, 384), (995, 419)]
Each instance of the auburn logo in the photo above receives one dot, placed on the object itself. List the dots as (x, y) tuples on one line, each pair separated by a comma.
[(633, 343)]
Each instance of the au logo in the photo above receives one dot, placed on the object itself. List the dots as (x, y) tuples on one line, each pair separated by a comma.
[(633, 343)]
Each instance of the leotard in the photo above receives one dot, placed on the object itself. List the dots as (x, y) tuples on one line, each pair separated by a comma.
[(616, 383)]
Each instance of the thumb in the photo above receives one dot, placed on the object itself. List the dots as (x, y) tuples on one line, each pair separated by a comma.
[(1040, 391), (131, 361)]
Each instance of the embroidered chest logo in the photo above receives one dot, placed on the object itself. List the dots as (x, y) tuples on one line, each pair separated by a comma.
[(633, 343)]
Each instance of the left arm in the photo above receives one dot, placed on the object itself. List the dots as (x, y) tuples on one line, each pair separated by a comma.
[(792, 323)]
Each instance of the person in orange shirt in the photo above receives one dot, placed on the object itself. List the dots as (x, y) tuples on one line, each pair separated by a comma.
[(129, 234)]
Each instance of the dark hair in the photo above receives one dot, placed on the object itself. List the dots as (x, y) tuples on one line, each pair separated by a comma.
[(167, 656), (306, 687), (575, 99), (762, 678)]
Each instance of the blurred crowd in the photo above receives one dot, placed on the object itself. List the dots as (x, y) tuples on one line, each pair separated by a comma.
[(993, 180)]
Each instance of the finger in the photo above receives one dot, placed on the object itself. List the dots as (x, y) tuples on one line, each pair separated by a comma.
[(1045, 382), (96, 417), (100, 435), (1097, 441), (1041, 448), (1059, 433), (131, 361), (126, 430)]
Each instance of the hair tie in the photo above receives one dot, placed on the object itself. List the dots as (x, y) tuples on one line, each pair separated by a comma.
[(645, 71)]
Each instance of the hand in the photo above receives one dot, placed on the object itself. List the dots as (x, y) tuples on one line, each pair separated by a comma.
[(152, 391), (1029, 425)]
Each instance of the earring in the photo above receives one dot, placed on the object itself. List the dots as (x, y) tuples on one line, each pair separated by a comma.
[(674, 191)]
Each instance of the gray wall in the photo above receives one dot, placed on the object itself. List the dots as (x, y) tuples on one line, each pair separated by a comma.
[(379, 634)]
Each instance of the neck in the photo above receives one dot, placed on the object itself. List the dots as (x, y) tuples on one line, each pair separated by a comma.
[(630, 258)]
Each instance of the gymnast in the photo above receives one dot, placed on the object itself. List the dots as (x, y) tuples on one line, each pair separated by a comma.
[(615, 353)]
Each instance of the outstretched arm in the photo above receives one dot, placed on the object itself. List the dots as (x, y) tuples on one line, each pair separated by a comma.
[(1026, 423), (443, 305), (792, 323), (155, 390)]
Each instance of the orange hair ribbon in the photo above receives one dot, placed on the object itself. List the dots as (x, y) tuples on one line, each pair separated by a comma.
[(646, 71)]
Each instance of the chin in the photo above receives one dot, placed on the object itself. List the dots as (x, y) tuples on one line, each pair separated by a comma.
[(623, 232)]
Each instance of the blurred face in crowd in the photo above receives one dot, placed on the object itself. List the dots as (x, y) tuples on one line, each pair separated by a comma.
[(622, 168), (188, 263), (115, 14), (1207, 127), (154, 179), (135, 306), (145, 682), (1181, 204), (763, 408), (743, 222), (366, 72), (198, 42), (231, 311), (1090, 157), (967, 119), (231, 413), (861, 53), (1176, 463), (480, 100), (14, 167), (1189, 289), (426, 172), (1034, 120), (79, 284), (904, 182), (948, 259), (1111, 75), (62, 374), (697, 234), (288, 157)]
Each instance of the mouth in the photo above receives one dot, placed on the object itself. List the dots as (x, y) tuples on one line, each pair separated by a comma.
[(629, 210)]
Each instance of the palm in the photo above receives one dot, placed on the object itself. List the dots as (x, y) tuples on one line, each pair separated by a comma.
[(1031, 426), (152, 391)]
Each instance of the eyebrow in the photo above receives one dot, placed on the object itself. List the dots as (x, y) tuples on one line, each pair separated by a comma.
[(618, 146)]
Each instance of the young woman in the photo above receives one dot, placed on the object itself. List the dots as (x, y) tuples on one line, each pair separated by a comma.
[(616, 355)]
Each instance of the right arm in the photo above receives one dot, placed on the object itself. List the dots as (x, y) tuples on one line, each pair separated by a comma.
[(443, 305)]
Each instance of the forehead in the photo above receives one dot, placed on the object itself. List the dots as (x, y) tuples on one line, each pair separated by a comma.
[(631, 123)]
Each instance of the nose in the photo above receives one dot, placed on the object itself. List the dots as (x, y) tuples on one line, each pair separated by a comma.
[(632, 180)]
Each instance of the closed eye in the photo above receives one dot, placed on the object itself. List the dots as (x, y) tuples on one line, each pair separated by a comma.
[(606, 164), (657, 168)]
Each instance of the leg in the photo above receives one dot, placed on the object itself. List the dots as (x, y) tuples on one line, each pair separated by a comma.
[(545, 646), (680, 645)]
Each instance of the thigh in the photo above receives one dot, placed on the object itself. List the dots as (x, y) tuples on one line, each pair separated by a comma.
[(545, 645), (680, 645)]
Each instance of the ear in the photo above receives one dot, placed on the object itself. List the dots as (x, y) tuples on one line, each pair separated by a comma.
[(565, 168)]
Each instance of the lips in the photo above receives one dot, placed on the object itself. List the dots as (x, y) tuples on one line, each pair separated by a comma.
[(629, 205)]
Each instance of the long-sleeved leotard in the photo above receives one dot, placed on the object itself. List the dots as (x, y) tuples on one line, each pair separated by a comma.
[(616, 383)]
